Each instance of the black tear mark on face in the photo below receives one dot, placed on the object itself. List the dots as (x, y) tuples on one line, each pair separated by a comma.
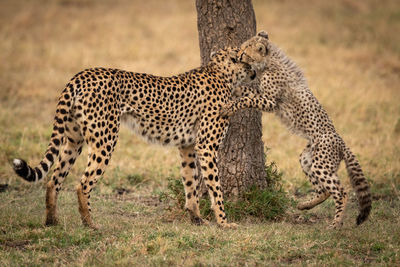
[(253, 74)]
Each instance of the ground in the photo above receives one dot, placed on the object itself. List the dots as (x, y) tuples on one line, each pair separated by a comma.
[(351, 56)]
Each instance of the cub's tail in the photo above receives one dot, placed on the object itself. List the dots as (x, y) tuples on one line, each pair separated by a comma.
[(30, 174), (359, 184)]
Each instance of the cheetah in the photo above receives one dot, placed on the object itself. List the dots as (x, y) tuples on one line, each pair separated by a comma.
[(284, 91), (181, 111)]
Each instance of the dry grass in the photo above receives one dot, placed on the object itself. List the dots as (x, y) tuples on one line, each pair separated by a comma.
[(350, 53)]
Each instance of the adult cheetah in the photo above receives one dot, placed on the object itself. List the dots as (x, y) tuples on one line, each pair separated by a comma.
[(181, 110), (284, 91)]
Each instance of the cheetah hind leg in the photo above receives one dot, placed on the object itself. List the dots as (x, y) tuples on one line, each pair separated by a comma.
[(320, 193), (331, 184), (320, 196), (191, 182), (340, 196), (70, 150), (98, 159)]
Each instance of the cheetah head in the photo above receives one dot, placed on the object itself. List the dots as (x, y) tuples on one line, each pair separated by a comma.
[(256, 51), (227, 63)]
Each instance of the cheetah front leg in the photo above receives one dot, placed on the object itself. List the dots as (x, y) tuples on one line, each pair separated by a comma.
[(259, 102), (209, 170), (209, 137), (190, 180)]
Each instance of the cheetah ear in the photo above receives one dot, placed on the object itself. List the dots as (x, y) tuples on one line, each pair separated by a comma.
[(263, 34), (212, 54), (233, 53), (261, 48)]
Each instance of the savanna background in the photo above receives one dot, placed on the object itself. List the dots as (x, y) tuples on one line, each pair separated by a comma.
[(350, 53)]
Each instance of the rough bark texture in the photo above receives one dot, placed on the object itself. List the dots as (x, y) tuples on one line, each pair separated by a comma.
[(241, 157)]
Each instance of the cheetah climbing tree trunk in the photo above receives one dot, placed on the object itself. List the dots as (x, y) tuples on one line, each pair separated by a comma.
[(241, 157)]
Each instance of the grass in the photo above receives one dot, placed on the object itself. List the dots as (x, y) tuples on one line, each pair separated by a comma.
[(137, 231), (350, 53), (263, 204)]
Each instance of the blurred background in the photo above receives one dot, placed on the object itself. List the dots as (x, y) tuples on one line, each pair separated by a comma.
[(348, 49)]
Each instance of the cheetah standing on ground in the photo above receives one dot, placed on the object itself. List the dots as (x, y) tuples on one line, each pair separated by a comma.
[(181, 110), (285, 92)]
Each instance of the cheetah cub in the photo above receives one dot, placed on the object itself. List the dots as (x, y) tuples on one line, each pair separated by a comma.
[(284, 91)]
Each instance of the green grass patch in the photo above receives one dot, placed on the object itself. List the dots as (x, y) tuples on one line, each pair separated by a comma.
[(265, 204), (268, 203)]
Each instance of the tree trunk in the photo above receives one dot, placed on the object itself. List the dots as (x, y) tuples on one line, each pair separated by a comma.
[(241, 164)]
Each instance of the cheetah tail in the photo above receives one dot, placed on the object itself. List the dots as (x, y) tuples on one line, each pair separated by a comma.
[(360, 185), (30, 174)]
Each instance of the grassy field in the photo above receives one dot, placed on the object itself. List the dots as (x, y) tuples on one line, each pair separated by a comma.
[(350, 52)]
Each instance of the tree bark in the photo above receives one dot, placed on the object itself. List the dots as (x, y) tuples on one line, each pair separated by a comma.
[(241, 164)]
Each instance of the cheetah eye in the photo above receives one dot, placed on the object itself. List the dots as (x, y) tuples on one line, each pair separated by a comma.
[(234, 59)]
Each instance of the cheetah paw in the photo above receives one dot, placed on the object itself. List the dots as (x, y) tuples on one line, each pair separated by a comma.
[(229, 225), (94, 227), (303, 206), (199, 221), (51, 221), (91, 225), (335, 226), (226, 111)]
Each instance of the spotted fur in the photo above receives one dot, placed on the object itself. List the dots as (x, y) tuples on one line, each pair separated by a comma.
[(181, 110), (284, 91)]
